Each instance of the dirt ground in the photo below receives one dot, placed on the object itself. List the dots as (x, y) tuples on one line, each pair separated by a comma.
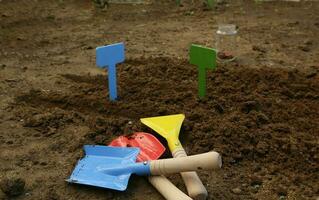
[(261, 112)]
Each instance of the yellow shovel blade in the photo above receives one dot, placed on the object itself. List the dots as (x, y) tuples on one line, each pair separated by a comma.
[(167, 126)]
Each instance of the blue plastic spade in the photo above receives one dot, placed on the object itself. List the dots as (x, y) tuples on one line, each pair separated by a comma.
[(107, 57), (108, 167), (111, 167)]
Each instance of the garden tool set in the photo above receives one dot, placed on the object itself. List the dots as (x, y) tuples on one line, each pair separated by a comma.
[(151, 149), (111, 166)]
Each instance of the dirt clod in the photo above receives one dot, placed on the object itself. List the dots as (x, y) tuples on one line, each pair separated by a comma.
[(249, 106), (262, 118), (12, 186), (259, 49), (219, 108)]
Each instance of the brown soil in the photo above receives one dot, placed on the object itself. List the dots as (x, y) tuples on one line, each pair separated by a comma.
[(261, 111)]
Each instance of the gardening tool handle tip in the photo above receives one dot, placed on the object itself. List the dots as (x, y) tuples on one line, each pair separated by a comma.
[(205, 161), (194, 185), (167, 188)]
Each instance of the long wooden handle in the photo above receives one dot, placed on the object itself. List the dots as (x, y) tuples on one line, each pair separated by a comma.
[(206, 161), (167, 188), (194, 185)]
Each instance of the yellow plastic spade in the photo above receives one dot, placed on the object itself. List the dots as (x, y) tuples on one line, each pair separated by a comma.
[(169, 127)]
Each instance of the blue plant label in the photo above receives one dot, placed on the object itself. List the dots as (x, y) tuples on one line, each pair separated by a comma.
[(107, 57), (110, 55)]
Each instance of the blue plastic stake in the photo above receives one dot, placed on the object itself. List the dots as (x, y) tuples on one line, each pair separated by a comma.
[(107, 57)]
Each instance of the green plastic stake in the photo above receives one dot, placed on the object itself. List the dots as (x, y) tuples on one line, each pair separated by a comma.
[(204, 58), (211, 3)]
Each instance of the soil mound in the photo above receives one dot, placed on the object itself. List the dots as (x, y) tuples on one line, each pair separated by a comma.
[(263, 121)]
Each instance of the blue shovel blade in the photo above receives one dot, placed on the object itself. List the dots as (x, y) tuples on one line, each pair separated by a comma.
[(104, 166)]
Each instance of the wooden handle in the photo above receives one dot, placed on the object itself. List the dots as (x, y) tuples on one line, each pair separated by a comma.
[(205, 161), (167, 188), (194, 185)]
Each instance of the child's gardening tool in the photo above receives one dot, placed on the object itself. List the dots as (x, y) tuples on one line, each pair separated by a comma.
[(204, 58), (210, 3), (169, 127), (109, 56), (151, 149), (111, 167)]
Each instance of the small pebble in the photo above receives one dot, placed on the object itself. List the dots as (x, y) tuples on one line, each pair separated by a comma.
[(282, 197), (244, 184), (236, 190)]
